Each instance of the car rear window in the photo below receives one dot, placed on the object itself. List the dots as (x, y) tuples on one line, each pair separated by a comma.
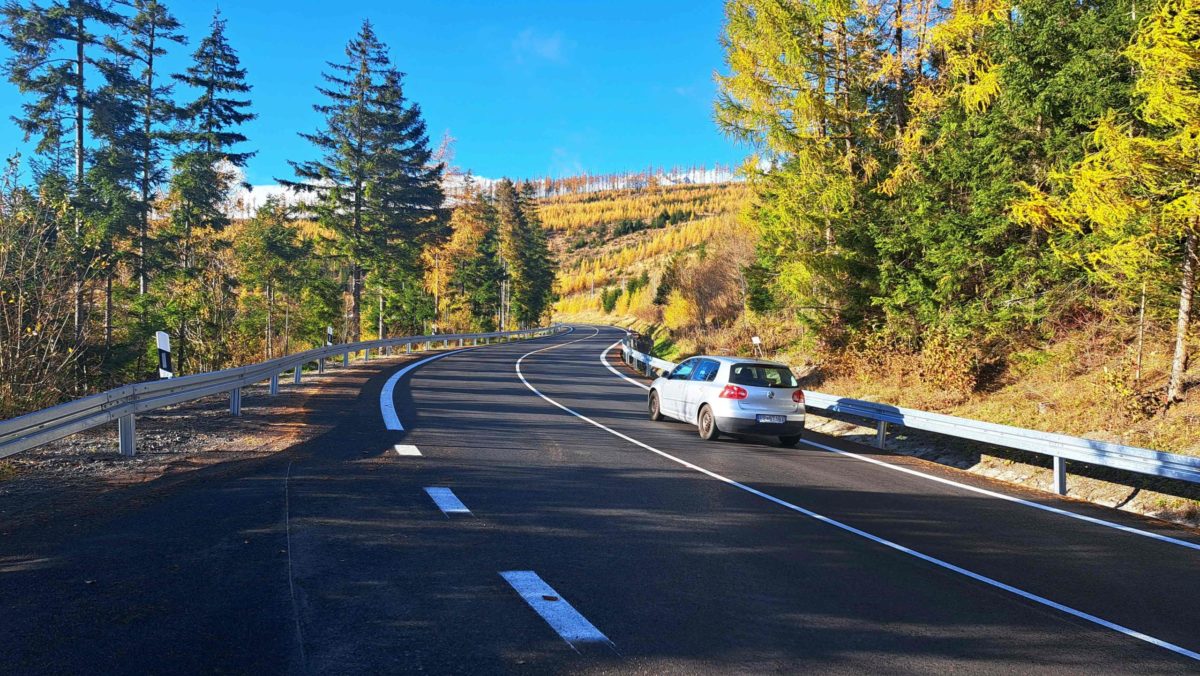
[(762, 375)]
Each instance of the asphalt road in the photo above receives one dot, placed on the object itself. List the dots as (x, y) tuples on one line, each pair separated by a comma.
[(593, 541)]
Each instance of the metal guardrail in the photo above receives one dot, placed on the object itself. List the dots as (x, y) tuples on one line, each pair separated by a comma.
[(124, 403), (1060, 447)]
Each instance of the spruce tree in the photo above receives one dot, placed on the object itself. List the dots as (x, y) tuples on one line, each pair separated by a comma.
[(525, 255), (204, 171), (52, 48), (374, 183), (151, 29)]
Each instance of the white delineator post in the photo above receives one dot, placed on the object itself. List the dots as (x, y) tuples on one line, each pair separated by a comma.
[(165, 370)]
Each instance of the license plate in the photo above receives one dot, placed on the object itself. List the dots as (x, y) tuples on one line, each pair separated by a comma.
[(775, 419)]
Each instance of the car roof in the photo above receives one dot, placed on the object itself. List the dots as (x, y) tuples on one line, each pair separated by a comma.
[(739, 360)]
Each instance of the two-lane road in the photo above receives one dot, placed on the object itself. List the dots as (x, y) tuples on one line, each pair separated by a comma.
[(521, 514)]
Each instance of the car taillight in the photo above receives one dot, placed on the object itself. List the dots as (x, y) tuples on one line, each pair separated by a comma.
[(798, 396), (733, 392)]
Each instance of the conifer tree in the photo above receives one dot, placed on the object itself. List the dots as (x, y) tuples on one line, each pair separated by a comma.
[(1136, 195), (151, 29), (52, 47), (205, 169), (374, 184)]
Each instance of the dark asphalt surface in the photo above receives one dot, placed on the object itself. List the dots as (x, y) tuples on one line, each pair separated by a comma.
[(331, 558)]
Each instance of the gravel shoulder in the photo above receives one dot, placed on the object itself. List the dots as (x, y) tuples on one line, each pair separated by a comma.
[(85, 473)]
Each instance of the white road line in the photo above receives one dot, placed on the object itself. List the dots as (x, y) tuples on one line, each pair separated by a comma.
[(622, 376), (950, 482), (406, 449), (387, 405), (861, 533), (446, 500), (554, 609)]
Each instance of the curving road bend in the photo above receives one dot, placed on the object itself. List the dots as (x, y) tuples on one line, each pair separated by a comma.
[(528, 518)]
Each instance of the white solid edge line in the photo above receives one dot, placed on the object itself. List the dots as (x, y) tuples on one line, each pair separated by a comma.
[(567, 622), (950, 482), (387, 406), (446, 500), (1030, 596)]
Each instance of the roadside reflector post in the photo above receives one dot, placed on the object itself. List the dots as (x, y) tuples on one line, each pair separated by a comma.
[(296, 373), (235, 401), (127, 435), (163, 341), (1060, 475), (460, 342), (274, 385), (881, 434)]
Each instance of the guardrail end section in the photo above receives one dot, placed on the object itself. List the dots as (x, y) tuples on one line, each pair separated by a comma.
[(127, 435)]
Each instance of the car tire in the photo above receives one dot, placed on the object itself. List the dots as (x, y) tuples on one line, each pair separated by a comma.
[(706, 424), (655, 410), (789, 441)]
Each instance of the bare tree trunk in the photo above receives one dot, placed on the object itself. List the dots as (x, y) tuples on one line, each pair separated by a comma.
[(1186, 289), (355, 303), (108, 312), (147, 159), (80, 62), (270, 312), (1141, 337)]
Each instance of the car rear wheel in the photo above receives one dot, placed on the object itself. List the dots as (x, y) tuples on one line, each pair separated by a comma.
[(706, 424), (789, 441), (655, 411)]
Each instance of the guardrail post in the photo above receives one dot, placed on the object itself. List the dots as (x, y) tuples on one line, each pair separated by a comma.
[(1060, 475), (460, 342), (408, 348), (235, 401), (649, 369), (367, 354), (274, 385), (881, 434), (345, 359), (296, 373), (321, 365), (127, 435)]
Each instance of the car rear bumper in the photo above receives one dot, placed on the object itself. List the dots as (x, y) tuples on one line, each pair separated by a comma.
[(752, 426)]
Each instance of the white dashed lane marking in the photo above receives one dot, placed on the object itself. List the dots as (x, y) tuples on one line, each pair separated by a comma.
[(446, 500), (406, 449), (554, 609)]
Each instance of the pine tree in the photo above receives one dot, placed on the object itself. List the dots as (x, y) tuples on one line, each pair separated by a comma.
[(375, 186)]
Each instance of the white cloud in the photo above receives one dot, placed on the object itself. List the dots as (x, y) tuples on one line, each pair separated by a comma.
[(532, 45)]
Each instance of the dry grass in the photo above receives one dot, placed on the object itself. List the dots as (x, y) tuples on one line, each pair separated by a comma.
[(1080, 385)]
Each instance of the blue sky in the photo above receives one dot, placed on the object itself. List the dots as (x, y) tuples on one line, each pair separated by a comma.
[(526, 88)]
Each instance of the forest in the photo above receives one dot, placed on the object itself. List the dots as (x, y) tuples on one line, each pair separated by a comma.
[(121, 221), (971, 178)]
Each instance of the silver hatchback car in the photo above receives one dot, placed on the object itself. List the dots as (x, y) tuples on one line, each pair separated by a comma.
[(731, 395)]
